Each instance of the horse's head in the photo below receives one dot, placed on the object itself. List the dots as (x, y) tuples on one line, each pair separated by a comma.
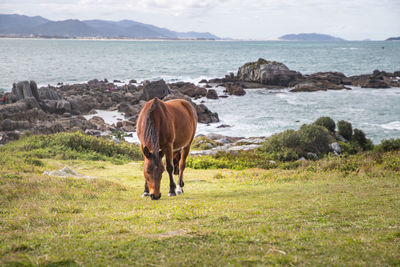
[(153, 169)]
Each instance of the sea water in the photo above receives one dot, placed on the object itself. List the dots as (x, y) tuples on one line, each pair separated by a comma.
[(258, 113)]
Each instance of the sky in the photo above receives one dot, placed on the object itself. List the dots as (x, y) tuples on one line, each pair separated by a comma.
[(253, 19)]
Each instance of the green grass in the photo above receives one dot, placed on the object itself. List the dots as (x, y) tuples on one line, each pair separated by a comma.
[(335, 211)]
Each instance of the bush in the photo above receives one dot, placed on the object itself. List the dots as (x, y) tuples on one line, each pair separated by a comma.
[(77, 146), (290, 144), (326, 122), (345, 129), (389, 145), (359, 138), (315, 138)]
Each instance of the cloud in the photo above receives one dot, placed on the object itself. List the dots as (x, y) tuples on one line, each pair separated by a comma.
[(356, 19)]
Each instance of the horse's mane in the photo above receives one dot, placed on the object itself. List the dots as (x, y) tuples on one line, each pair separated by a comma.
[(150, 131)]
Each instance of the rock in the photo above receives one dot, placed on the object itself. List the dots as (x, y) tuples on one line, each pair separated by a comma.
[(336, 148), (302, 159), (48, 93), (312, 156), (93, 132), (267, 72), (65, 172), (25, 89), (234, 89), (129, 128), (311, 86), (224, 126), (133, 81), (212, 94), (189, 89), (63, 106), (155, 89), (34, 90), (205, 115), (203, 81)]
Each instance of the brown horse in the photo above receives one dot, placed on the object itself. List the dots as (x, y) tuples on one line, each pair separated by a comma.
[(165, 128)]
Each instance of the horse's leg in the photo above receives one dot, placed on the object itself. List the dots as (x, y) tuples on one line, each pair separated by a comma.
[(169, 160), (177, 158), (182, 165), (146, 190)]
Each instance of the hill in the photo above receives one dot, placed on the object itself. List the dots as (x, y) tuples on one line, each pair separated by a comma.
[(310, 37), (393, 39), (24, 26)]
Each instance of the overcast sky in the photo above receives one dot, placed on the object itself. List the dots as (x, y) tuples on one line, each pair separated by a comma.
[(254, 19)]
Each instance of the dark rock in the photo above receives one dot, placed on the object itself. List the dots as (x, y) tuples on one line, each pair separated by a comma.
[(205, 115), (189, 89), (203, 81), (212, 94), (34, 90), (224, 126), (155, 89), (133, 81), (63, 106), (234, 89), (311, 86), (48, 93)]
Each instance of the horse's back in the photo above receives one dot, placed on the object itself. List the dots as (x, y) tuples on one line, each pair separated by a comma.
[(184, 118)]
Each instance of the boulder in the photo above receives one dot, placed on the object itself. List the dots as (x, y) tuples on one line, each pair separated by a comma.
[(336, 148), (205, 115), (155, 89), (63, 106), (212, 94), (189, 89), (48, 93), (267, 72), (311, 86), (234, 89)]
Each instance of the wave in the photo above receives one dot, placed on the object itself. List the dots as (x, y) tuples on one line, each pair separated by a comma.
[(394, 125)]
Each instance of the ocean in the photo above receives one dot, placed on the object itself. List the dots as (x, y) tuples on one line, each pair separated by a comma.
[(258, 113)]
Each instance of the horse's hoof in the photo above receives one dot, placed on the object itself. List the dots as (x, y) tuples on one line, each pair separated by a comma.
[(145, 194), (179, 190), (171, 194)]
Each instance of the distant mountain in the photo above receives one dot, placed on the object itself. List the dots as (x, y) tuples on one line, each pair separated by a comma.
[(393, 39), (24, 26), (310, 37)]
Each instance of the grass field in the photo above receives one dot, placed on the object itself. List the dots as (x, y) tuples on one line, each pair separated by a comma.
[(342, 212)]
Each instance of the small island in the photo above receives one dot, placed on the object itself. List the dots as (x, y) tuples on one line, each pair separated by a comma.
[(393, 39), (314, 37)]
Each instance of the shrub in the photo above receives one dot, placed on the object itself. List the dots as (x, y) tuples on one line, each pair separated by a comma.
[(345, 129), (314, 138), (78, 146), (290, 144), (389, 145), (359, 138), (326, 122)]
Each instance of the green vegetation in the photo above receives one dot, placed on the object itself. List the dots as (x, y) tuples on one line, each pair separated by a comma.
[(345, 129), (326, 122), (284, 149), (337, 211), (27, 153)]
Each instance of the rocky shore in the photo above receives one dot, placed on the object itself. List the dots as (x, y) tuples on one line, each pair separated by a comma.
[(52, 109), (276, 75)]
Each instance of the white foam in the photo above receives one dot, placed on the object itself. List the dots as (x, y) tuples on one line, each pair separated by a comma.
[(394, 125), (109, 117)]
